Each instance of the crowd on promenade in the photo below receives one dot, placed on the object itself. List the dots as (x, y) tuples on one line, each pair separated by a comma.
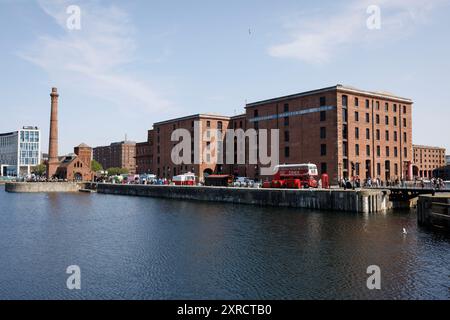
[(345, 183), (355, 182)]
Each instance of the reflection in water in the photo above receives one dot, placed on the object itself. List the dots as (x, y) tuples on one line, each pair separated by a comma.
[(143, 248)]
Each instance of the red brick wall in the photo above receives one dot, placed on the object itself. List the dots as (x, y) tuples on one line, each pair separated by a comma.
[(304, 131), (377, 161), (305, 141), (427, 159), (162, 149)]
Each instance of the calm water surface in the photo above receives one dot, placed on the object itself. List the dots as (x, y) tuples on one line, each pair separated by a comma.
[(143, 248)]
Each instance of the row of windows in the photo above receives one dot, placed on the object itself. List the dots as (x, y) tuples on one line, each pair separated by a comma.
[(429, 167), (323, 134), (238, 126), (323, 102), (29, 136), (29, 161), (8, 141), (377, 119), (29, 146), (323, 117), (378, 151), (433, 161), (378, 135), (323, 151), (357, 168), (367, 104), (438, 156)]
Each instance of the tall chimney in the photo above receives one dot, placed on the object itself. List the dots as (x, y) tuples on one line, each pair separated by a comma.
[(53, 162)]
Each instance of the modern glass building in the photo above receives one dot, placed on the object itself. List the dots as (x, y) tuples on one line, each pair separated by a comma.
[(20, 151)]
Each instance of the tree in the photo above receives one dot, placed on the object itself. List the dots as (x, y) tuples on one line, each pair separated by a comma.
[(95, 166), (117, 171), (39, 170)]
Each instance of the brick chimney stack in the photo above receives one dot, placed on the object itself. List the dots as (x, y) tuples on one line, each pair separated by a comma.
[(53, 162)]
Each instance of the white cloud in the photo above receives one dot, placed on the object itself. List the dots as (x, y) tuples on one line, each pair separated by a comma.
[(95, 58), (318, 37)]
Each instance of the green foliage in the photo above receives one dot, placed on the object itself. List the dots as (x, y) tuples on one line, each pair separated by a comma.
[(39, 170), (95, 166), (117, 171)]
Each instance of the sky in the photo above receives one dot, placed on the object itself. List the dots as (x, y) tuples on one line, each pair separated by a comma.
[(134, 63)]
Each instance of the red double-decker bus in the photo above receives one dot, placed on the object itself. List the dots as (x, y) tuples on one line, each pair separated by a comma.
[(294, 176)]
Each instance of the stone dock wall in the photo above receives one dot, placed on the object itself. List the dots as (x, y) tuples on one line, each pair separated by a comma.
[(434, 211), (337, 200), (44, 187)]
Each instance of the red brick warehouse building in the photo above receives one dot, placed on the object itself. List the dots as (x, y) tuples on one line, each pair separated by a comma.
[(162, 145), (345, 131), (427, 160), (117, 155), (144, 155)]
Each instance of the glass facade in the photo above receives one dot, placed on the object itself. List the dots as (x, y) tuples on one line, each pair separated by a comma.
[(29, 148), (20, 151)]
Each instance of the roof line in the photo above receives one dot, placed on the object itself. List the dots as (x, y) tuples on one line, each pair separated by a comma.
[(427, 147), (198, 115), (8, 133), (336, 87)]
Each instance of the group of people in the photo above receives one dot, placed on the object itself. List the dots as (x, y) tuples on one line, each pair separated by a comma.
[(437, 183), (377, 183), (346, 183), (355, 182)]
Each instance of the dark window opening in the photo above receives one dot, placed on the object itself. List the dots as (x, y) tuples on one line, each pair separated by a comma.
[(323, 101), (286, 152), (323, 133), (323, 149)]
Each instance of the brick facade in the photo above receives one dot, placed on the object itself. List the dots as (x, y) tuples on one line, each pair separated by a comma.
[(162, 150), (428, 159), (344, 131), (117, 155), (76, 167)]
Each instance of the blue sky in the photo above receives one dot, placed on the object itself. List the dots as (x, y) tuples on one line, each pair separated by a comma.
[(134, 63)]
